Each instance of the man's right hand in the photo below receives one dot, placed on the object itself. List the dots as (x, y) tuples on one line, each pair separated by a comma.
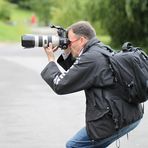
[(50, 52)]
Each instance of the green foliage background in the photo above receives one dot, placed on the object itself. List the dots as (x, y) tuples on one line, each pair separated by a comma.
[(118, 20), (124, 20)]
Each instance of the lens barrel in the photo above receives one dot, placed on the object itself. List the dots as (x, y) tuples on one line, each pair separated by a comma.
[(30, 40)]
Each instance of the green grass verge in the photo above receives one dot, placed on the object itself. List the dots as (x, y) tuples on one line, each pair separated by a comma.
[(19, 24), (11, 32)]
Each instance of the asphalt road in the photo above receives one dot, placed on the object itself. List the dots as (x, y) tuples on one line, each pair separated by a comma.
[(32, 115)]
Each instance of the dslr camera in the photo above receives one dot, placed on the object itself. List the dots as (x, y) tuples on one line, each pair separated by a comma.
[(60, 39)]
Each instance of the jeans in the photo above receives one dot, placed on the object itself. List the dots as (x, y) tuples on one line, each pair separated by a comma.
[(82, 140)]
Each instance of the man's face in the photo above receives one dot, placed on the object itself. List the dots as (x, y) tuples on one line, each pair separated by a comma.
[(76, 43)]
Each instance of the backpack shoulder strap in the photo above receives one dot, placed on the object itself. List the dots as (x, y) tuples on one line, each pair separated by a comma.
[(105, 50)]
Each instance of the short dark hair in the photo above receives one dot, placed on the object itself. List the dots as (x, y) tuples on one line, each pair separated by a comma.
[(83, 28)]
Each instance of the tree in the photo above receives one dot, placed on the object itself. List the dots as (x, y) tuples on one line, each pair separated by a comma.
[(67, 12), (5, 11), (13, 1), (43, 10), (124, 20)]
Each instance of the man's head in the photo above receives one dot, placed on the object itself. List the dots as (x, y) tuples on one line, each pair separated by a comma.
[(79, 34)]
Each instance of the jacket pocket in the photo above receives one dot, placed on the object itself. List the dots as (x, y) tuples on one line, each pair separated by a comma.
[(95, 114), (100, 126)]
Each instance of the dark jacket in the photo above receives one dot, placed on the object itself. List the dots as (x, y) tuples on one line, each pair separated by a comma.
[(106, 111)]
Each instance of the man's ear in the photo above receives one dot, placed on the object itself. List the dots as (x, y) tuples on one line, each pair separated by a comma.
[(84, 40)]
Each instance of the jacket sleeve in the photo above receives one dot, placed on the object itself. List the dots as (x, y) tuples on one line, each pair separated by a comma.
[(80, 76)]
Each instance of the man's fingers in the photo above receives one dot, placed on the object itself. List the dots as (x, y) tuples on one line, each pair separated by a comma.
[(50, 48), (55, 48), (50, 45)]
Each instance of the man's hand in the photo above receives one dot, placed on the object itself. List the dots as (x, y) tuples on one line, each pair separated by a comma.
[(66, 53), (50, 52)]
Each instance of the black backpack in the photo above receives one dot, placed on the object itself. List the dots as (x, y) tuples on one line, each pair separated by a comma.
[(130, 70)]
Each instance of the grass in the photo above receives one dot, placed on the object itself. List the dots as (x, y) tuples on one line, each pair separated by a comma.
[(11, 32), (19, 24)]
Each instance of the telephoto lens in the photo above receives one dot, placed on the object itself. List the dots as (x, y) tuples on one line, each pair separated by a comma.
[(60, 40), (31, 41)]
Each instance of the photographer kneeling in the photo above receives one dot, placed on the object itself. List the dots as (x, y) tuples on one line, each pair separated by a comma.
[(108, 116)]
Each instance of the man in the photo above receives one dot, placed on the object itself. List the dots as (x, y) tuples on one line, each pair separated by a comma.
[(108, 116)]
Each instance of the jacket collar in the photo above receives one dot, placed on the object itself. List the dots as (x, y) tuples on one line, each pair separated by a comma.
[(90, 43)]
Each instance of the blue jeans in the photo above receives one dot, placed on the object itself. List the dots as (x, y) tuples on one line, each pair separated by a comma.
[(82, 140)]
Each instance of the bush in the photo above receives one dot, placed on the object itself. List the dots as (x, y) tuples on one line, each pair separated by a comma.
[(5, 13), (125, 20)]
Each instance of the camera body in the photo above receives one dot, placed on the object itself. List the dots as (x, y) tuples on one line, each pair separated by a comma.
[(60, 40)]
